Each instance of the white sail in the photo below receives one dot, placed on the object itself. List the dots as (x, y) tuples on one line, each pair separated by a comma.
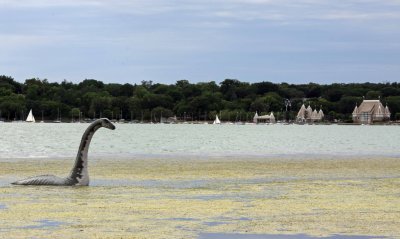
[(30, 117), (216, 121)]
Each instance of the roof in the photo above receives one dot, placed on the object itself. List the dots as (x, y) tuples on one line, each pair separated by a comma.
[(308, 113), (300, 114), (355, 111), (309, 109), (270, 116), (387, 111), (373, 107), (321, 113), (264, 117), (369, 106)]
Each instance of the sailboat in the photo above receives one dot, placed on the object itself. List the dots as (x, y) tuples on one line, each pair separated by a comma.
[(217, 121), (42, 121), (30, 117), (58, 117)]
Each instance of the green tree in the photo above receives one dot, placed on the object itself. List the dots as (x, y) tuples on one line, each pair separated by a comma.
[(75, 113), (373, 95)]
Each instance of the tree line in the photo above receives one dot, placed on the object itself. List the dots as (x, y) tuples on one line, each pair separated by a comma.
[(232, 100)]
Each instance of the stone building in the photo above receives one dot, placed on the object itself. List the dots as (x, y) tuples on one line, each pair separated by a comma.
[(370, 111)]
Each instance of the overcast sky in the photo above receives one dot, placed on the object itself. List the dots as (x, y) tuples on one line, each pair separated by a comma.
[(302, 41)]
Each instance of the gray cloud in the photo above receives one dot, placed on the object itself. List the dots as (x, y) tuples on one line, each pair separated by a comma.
[(195, 38)]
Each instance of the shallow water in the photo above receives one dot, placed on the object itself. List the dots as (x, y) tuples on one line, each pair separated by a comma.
[(275, 236), (42, 224), (253, 181), (182, 140), (206, 199)]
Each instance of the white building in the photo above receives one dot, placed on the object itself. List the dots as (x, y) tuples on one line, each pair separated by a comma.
[(370, 111), (264, 118), (309, 115)]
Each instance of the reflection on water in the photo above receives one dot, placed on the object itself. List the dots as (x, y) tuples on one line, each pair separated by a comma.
[(40, 224), (151, 183), (225, 220), (43, 224), (276, 236), (3, 206), (183, 219)]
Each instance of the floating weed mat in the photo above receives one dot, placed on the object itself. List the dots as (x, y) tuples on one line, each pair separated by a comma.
[(193, 198)]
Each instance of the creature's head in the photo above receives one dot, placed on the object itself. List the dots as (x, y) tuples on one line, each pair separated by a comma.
[(106, 123)]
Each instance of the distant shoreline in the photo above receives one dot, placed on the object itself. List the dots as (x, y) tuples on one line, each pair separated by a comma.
[(205, 123)]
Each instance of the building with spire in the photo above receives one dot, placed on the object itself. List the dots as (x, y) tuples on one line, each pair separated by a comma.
[(309, 115), (264, 118), (370, 111)]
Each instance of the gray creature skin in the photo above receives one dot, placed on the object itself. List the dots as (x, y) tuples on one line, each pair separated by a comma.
[(79, 175)]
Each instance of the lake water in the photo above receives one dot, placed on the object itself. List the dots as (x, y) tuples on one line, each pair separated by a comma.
[(256, 181), (22, 140)]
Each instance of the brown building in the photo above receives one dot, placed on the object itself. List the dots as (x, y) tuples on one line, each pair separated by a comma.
[(370, 111)]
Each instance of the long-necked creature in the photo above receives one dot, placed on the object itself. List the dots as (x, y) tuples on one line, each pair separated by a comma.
[(79, 175)]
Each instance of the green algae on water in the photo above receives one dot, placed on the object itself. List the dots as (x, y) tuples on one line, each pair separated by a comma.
[(183, 198)]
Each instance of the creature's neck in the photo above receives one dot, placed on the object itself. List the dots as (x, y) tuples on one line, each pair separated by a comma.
[(79, 172)]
